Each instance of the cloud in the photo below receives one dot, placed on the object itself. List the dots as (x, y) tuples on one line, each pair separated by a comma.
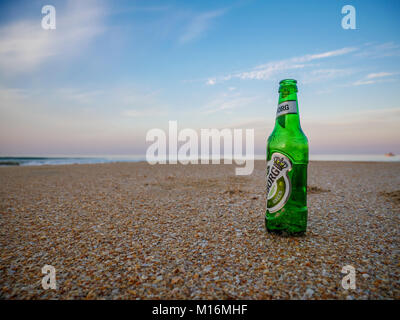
[(363, 82), (325, 74), (211, 82), (199, 25), (228, 101), (266, 71), (135, 113), (80, 97), (379, 75), (24, 45), (374, 78), (387, 49), (328, 54), (135, 8)]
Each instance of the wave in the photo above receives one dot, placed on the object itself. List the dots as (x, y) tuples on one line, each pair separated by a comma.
[(39, 161)]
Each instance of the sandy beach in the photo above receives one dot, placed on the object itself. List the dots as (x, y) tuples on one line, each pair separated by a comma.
[(136, 231)]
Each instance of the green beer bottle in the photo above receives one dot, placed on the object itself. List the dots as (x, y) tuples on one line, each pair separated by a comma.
[(287, 157)]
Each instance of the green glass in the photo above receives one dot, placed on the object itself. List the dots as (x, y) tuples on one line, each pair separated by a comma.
[(288, 139)]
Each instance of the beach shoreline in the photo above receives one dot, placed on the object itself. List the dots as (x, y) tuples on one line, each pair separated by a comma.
[(64, 160)]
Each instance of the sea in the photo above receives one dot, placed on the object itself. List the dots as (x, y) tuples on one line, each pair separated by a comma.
[(64, 160)]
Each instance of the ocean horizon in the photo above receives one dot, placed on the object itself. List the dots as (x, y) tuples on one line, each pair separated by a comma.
[(64, 160)]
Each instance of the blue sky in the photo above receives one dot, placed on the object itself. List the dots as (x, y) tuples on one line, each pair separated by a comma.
[(112, 70)]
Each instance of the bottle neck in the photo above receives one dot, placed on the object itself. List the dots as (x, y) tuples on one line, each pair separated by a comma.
[(287, 115)]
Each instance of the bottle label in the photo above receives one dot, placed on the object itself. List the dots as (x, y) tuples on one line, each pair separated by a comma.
[(278, 182), (286, 107)]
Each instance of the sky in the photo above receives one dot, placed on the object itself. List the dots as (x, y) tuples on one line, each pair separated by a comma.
[(113, 70)]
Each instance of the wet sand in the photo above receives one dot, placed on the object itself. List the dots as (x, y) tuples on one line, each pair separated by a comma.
[(135, 231)]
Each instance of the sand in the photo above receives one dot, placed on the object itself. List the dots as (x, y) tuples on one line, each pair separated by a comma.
[(135, 231)]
